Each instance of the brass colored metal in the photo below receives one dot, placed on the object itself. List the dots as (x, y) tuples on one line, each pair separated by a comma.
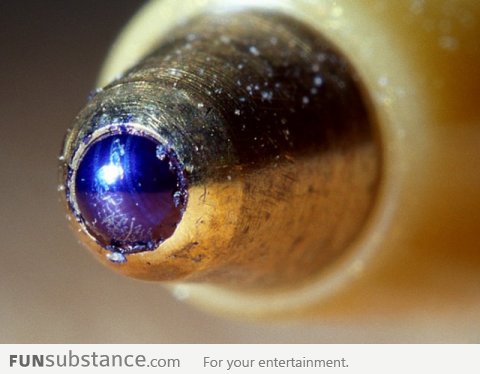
[(279, 148)]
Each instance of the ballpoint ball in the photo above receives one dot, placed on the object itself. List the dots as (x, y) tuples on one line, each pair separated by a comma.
[(129, 191)]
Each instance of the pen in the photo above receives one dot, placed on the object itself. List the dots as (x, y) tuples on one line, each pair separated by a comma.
[(253, 156)]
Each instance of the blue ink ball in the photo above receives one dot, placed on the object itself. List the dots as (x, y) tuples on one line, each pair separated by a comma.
[(130, 192)]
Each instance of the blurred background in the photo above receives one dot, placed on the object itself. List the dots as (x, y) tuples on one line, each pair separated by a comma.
[(51, 289)]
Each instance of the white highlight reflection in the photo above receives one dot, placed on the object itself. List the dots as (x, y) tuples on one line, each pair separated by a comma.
[(109, 174)]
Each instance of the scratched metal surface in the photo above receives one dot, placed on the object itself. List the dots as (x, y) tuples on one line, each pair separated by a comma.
[(51, 289)]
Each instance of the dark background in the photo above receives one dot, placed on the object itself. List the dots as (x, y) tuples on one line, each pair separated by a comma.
[(51, 289)]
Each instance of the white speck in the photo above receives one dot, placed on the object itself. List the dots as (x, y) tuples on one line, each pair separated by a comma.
[(116, 257), (448, 43), (177, 198), (181, 293), (283, 121), (60, 188), (383, 81), (267, 95), (254, 51), (225, 39), (200, 105), (201, 71), (240, 66), (318, 81), (229, 177), (161, 154), (239, 82), (61, 158), (305, 100), (242, 99), (237, 112)]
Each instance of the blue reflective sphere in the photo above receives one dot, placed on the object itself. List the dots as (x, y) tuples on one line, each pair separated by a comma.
[(129, 192)]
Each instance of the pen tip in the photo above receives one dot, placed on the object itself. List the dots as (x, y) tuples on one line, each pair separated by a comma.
[(128, 191)]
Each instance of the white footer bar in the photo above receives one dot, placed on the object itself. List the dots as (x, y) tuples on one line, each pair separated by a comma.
[(239, 358)]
